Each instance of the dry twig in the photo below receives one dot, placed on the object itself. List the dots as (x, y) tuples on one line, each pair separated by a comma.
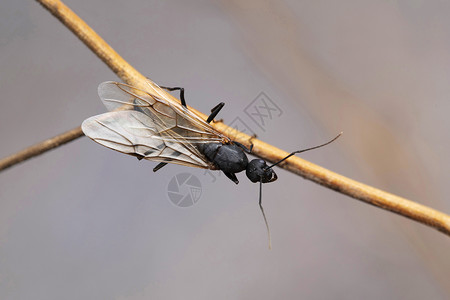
[(40, 148), (128, 74)]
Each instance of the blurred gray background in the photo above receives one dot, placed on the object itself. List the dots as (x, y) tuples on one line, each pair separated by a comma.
[(86, 222)]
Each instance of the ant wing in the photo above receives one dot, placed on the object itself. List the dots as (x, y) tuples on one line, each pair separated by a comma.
[(135, 133), (167, 115)]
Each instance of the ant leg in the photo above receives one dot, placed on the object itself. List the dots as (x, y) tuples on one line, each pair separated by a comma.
[(248, 150), (254, 136), (183, 101), (139, 157), (215, 111), (159, 166), (232, 177)]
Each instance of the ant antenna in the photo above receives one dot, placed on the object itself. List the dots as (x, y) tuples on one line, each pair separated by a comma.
[(261, 182), (304, 150), (264, 215)]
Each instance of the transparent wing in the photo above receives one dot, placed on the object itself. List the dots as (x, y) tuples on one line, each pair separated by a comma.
[(133, 132), (169, 117)]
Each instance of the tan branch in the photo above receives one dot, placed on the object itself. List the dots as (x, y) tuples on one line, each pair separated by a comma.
[(296, 165), (40, 148)]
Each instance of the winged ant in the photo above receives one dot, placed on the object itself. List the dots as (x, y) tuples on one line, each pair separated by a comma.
[(149, 125)]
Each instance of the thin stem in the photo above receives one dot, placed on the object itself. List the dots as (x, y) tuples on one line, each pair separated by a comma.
[(296, 165), (40, 148)]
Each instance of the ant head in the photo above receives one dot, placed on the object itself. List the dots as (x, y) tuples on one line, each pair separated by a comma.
[(258, 170)]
